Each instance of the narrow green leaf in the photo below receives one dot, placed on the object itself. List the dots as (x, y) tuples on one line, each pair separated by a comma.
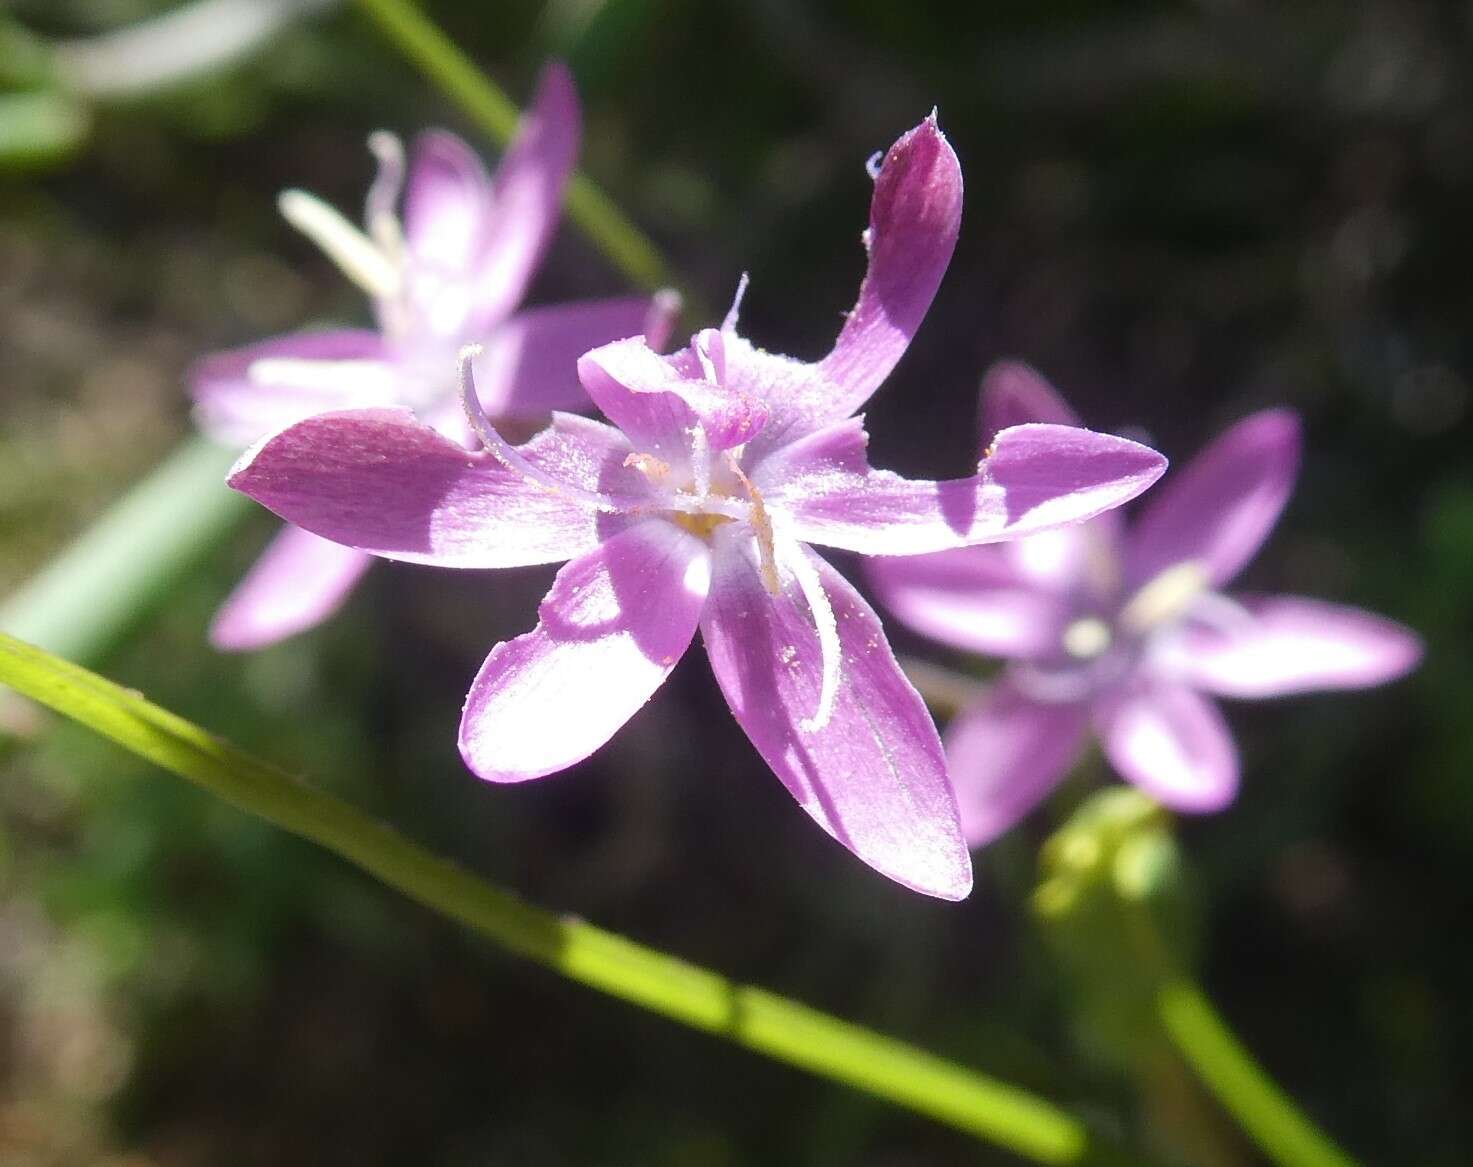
[(87, 597), (1232, 1074), (761, 1021)]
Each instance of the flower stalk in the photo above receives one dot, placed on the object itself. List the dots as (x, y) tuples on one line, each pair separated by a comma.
[(764, 1022)]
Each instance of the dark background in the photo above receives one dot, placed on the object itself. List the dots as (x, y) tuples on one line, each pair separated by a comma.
[(1179, 212)]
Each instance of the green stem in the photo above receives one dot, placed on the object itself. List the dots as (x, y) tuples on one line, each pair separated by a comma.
[(1239, 1082), (84, 600), (442, 62), (751, 1017)]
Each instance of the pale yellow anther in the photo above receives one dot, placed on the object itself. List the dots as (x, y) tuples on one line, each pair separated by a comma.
[(1086, 638), (655, 469), (762, 529), (359, 257), (1165, 598)]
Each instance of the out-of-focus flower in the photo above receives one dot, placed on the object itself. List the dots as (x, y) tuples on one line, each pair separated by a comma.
[(1125, 632), (450, 273), (694, 509)]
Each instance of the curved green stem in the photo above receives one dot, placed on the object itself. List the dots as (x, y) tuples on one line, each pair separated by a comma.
[(442, 62), (751, 1017), (1239, 1082)]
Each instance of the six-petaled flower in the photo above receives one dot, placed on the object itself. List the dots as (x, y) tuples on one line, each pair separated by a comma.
[(1124, 631), (452, 272), (694, 507)]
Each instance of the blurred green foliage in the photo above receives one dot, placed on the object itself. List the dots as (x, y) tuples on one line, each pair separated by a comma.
[(1180, 213)]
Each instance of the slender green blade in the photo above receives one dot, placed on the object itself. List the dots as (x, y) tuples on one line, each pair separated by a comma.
[(761, 1021), (87, 598)]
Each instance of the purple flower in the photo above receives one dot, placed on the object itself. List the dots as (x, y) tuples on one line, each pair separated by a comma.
[(693, 509), (451, 273), (1125, 632)]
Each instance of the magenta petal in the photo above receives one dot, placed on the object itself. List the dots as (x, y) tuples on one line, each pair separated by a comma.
[(383, 482), (1037, 477), (1173, 743), (1290, 644), (1219, 508), (1006, 752), (652, 400), (972, 598), (609, 632), (1015, 394), (874, 776), (299, 581), (528, 366), (915, 215), (244, 393), (527, 194), (447, 202)]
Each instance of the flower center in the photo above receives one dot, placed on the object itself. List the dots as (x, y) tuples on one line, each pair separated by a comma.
[(701, 525)]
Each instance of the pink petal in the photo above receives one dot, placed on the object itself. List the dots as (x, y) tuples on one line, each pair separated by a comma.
[(297, 379), (298, 582), (1173, 744), (527, 194), (874, 776), (1037, 477), (1290, 644), (972, 598), (1220, 507), (609, 632), (655, 401), (528, 366), (798, 396), (915, 215), (1006, 753), (383, 482), (1015, 394), (447, 202)]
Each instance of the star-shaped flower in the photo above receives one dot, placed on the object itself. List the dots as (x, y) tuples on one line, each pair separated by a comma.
[(695, 508), (1124, 631), (451, 273)]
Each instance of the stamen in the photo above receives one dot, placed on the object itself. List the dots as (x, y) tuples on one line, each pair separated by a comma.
[(730, 323), (1164, 598), (700, 460), (379, 211), (761, 523), (651, 467), (507, 454), (1086, 638), (827, 628), (348, 247)]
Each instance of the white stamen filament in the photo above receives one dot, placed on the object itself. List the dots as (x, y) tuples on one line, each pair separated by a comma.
[(383, 195), (700, 459), (729, 324), (761, 522), (825, 625), (507, 454), (358, 256)]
